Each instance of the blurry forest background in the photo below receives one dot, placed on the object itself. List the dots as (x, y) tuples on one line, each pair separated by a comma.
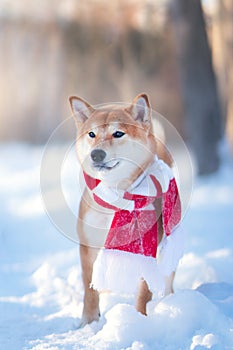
[(177, 51)]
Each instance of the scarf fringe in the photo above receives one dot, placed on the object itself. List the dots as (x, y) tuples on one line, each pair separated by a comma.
[(121, 272)]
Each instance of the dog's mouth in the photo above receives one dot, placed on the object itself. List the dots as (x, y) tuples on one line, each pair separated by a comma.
[(106, 166)]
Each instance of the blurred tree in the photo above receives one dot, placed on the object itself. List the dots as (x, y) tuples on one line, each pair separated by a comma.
[(203, 122), (226, 14)]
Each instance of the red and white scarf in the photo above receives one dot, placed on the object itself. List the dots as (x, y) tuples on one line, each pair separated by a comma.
[(130, 252)]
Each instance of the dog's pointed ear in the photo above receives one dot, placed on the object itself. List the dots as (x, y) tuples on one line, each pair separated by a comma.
[(80, 108), (140, 109)]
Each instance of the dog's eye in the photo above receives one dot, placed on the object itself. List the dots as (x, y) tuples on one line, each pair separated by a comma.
[(91, 134), (118, 134)]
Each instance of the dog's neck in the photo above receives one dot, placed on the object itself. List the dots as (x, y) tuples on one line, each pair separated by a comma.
[(144, 172), (135, 179)]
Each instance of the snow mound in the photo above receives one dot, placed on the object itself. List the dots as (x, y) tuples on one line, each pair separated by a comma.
[(185, 320), (181, 317)]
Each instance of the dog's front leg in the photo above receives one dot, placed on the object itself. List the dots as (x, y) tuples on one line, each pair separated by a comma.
[(91, 297)]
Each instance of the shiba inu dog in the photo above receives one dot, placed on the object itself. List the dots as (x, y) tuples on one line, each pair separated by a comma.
[(130, 209)]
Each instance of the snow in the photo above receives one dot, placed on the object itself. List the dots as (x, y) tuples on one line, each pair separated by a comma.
[(40, 277)]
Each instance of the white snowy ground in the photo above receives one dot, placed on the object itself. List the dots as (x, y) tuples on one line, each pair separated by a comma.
[(40, 277)]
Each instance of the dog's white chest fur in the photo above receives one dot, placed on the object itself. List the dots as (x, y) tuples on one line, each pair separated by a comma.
[(96, 223)]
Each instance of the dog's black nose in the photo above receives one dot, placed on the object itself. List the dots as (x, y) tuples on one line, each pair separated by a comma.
[(98, 155)]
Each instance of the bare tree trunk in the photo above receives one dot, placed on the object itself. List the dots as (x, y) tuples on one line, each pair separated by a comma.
[(202, 108), (228, 41)]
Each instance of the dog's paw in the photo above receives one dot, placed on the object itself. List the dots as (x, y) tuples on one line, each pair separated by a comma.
[(80, 324), (87, 319)]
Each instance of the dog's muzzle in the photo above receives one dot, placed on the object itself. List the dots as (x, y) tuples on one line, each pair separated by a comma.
[(98, 155)]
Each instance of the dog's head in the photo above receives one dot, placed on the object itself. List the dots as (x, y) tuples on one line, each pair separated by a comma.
[(114, 143)]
